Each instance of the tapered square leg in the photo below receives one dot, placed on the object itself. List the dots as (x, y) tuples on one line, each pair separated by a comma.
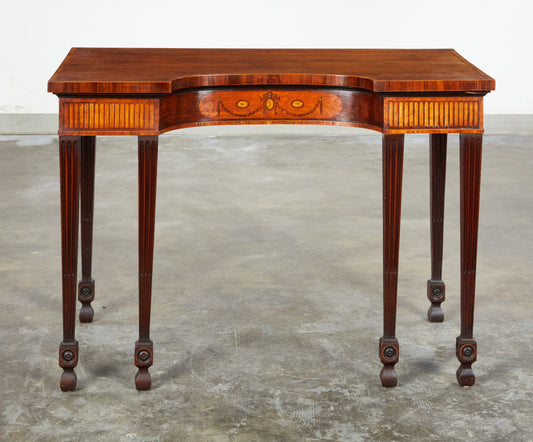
[(69, 172), (392, 202), (86, 284), (435, 286), (148, 147), (470, 170)]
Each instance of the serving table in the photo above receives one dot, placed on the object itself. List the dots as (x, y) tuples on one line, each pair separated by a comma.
[(146, 92)]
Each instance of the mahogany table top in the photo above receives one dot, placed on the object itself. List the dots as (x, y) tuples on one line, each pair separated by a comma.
[(163, 71)]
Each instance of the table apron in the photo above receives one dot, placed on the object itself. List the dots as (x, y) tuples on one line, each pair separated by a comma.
[(389, 114)]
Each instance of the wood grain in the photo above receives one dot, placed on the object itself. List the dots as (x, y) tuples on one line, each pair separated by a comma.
[(278, 104), (147, 152), (436, 289), (470, 180), (348, 107), (215, 106), (86, 284), (69, 167), (433, 114), (392, 165), (113, 116), (163, 71)]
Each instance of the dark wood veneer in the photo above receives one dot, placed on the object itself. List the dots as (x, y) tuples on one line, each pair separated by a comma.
[(470, 173), (69, 168), (437, 175), (148, 149), (86, 284), (163, 71), (392, 154), (356, 108)]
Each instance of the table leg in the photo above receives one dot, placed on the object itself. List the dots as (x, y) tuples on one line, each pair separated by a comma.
[(435, 286), (148, 147), (470, 166), (86, 284), (69, 168), (392, 196)]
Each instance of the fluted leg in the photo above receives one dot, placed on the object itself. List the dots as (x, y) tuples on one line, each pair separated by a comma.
[(392, 195), (148, 147), (435, 286), (470, 164), (86, 284), (69, 168)]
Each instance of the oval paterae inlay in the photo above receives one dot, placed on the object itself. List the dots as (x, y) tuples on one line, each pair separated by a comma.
[(270, 104), (297, 104)]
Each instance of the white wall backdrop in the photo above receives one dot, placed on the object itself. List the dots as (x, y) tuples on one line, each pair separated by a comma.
[(35, 35)]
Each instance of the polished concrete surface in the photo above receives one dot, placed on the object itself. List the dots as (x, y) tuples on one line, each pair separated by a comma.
[(267, 295)]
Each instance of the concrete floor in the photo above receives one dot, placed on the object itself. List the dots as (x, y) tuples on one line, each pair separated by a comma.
[(267, 295)]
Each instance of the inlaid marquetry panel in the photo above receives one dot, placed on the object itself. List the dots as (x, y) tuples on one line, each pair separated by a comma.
[(113, 116), (270, 104), (432, 114)]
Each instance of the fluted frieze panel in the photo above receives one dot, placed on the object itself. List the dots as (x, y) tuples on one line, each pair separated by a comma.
[(113, 116), (431, 114)]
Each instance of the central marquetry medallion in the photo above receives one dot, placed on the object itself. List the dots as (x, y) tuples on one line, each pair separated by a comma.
[(270, 104)]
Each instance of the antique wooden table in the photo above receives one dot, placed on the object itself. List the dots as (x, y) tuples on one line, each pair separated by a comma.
[(147, 92)]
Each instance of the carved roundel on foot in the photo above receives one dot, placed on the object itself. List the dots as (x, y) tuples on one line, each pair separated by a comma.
[(68, 356), (467, 353), (389, 354), (86, 292), (143, 357), (436, 293)]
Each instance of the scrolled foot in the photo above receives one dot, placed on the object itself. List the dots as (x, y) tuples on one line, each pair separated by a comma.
[(388, 376), (86, 296), (143, 379), (465, 376), (68, 380), (86, 313), (435, 313)]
